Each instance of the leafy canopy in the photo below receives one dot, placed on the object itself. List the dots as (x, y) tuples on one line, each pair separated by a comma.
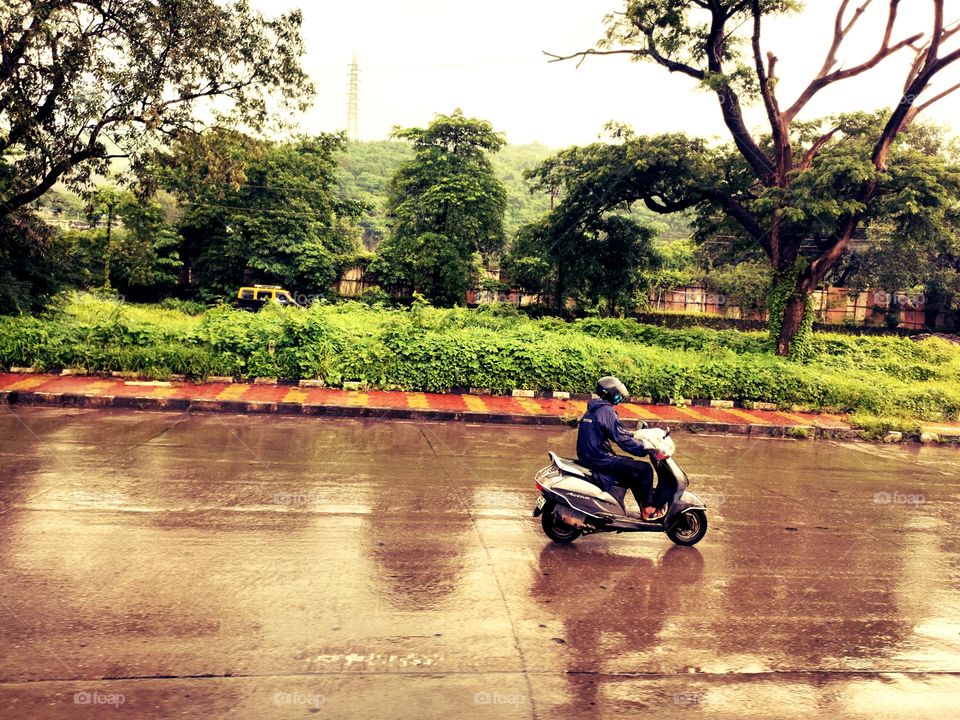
[(84, 82), (261, 211), (446, 207)]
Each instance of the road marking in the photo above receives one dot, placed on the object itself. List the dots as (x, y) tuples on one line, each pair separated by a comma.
[(296, 396), (417, 401), (234, 392), (474, 403), (640, 412), (27, 383), (684, 410), (531, 407), (752, 419), (799, 420)]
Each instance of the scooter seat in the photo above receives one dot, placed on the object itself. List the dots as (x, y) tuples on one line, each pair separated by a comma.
[(570, 467)]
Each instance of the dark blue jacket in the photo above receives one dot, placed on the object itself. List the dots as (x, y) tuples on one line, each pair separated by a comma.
[(598, 428)]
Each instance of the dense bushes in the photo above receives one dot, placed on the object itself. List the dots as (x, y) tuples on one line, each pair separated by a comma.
[(427, 349)]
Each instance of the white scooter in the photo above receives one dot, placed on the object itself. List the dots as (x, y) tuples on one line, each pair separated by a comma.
[(570, 505)]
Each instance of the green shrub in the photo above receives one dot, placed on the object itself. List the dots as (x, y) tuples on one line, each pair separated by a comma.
[(428, 349)]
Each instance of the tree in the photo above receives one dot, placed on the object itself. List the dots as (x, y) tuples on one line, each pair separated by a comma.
[(595, 183), (718, 43), (104, 202), (446, 206), (85, 82), (35, 263), (605, 263), (914, 246), (677, 268), (257, 211), (620, 255), (130, 246), (365, 172), (745, 284)]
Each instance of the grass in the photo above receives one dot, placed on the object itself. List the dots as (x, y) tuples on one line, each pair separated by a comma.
[(888, 382)]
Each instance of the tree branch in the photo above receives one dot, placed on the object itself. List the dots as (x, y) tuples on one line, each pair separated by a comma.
[(811, 154), (671, 65), (747, 221), (917, 109), (826, 77), (664, 207), (730, 102), (781, 140), (49, 180), (584, 53)]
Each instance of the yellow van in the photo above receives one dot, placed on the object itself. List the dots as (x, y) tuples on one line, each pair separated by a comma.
[(256, 296)]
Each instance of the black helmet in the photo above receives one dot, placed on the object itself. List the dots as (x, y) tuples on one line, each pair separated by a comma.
[(612, 390)]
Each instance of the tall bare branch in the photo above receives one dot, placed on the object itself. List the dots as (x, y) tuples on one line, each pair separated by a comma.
[(827, 76)]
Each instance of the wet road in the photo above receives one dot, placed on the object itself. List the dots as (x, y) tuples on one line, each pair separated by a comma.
[(159, 565)]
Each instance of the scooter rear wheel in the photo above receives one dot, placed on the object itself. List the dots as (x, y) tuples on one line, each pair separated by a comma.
[(556, 529), (689, 529)]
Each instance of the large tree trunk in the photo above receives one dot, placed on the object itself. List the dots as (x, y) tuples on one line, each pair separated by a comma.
[(793, 312)]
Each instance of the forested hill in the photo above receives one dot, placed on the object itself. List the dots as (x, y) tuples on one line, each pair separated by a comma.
[(368, 166)]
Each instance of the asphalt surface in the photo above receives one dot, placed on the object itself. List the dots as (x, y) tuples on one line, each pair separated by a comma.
[(157, 565)]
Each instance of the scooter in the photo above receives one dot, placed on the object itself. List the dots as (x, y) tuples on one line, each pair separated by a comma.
[(570, 505)]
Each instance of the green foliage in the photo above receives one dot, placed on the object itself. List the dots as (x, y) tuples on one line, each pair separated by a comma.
[(805, 188), (253, 208), (130, 246), (589, 246), (35, 263), (620, 254), (430, 349), (446, 207), (366, 169), (876, 427), (914, 245), (511, 165), (376, 296), (81, 79), (365, 172), (745, 284), (782, 293)]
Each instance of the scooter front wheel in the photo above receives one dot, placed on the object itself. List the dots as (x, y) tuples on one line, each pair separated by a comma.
[(689, 528), (556, 529)]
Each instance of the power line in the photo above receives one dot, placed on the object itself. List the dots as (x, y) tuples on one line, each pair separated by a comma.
[(406, 68)]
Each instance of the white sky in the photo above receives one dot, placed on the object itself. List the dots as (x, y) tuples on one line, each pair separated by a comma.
[(422, 57)]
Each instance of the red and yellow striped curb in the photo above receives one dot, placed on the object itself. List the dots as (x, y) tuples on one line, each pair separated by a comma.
[(101, 392)]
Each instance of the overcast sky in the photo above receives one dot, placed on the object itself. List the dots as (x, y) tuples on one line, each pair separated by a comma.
[(421, 57)]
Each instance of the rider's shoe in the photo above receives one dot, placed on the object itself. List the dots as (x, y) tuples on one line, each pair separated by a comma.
[(651, 514)]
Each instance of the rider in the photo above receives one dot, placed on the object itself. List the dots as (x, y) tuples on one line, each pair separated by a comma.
[(601, 425)]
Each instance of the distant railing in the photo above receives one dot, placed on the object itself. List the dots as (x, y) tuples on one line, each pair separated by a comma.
[(833, 306)]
